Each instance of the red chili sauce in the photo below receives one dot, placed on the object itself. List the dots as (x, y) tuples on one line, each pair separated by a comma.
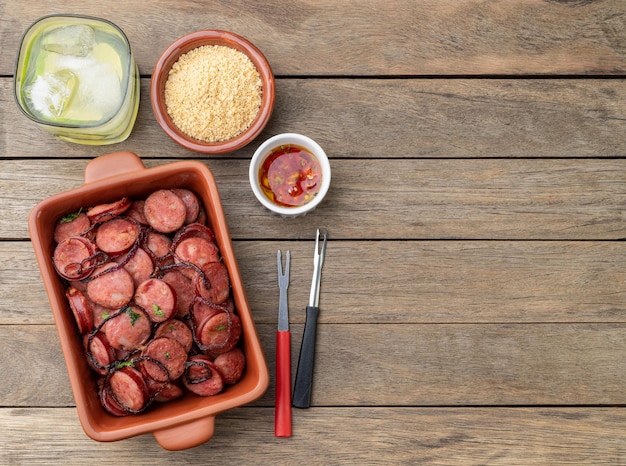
[(290, 176)]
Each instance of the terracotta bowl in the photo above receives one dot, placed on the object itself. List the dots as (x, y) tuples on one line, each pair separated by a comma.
[(185, 422), (184, 45)]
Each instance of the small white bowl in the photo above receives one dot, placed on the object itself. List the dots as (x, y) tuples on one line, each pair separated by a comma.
[(266, 149)]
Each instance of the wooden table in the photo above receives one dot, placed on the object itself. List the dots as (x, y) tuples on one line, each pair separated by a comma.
[(474, 291)]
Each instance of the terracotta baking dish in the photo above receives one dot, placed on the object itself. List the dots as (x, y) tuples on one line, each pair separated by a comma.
[(178, 424)]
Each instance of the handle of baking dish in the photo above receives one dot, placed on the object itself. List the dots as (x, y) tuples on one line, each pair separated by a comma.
[(188, 435), (113, 164)]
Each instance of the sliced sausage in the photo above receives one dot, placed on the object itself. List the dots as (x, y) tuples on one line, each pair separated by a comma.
[(196, 251), (184, 289), (71, 225), (128, 329), (81, 308), (111, 288), (202, 217), (100, 313), (165, 211), (109, 404), (202, 310), (164, 391), (117, 236), (104, 212), (135, 212), (157, 298), (122, 354), (129, 388), (194, 230), (191, 204), (219, 333), (213, 283), (177, 330), (165, 359), (229, 304), (100, 353), (158, 244), (202, 377), (139, 266), (79, 285), (164, 266), (231, 365), (73, 258)]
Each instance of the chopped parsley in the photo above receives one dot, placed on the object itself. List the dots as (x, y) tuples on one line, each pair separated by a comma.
[(69, 217), (167, 355), (158, 311), (105, 315), (129, 363), (133, 315), (219, 328)]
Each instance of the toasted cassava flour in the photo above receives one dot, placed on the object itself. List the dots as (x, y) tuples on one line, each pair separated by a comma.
[(213, 93)]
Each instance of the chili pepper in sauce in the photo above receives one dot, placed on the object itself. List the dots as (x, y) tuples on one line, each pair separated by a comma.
[(290, 176)]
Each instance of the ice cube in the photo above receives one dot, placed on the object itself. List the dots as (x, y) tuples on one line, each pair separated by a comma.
[(100, 90), (51, 93), (73, 39)]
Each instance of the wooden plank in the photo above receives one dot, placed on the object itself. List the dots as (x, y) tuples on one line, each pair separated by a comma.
[(429, 37), (398, 118), (499, 364), (398, 282), (341, 436), (33, 366), (23, 299), (445, 282), (389, 199), (393, 365)]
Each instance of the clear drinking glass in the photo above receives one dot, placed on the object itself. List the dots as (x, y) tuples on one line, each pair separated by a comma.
[(76, 77)]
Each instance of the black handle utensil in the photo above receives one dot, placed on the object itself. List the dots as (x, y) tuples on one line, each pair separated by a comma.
[(304, 375)]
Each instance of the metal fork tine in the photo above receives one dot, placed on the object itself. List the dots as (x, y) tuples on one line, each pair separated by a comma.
[(283, 283), (318, 261), (283, 276), (322, 253)]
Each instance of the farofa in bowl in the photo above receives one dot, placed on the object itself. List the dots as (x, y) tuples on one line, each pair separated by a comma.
[(212, 91)]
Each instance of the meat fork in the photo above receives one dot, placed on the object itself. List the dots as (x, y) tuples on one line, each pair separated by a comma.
[(282, 414), (304, 373)]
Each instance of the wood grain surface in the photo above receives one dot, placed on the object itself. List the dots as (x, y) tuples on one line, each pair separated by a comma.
[(473, 304), (342, 435), (394, 119), (374, 37)]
